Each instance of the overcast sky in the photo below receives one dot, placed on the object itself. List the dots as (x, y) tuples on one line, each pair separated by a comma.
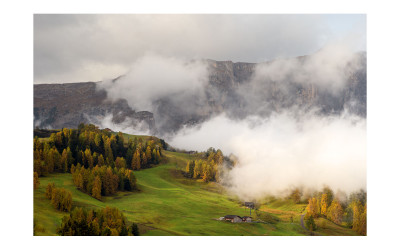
[(72, 48)]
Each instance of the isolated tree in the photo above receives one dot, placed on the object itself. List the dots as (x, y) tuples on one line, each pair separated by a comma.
[(134, 229), (49, 190), (36, 181)]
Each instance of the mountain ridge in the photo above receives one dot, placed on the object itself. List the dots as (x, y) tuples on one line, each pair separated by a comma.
[(68, 104)]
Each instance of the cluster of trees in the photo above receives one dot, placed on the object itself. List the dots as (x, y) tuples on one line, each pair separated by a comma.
[(207, 168), (105, 180), (352, 211), (105, 222), (101, 162), (90, 146), (60, 197)]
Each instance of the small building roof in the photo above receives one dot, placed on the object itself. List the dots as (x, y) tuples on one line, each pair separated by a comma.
[(232, 216)]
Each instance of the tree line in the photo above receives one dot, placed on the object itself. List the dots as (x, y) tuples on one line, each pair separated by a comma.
[(351, 211), (208, 168), (105, 222), (100, 161), (91, 146)]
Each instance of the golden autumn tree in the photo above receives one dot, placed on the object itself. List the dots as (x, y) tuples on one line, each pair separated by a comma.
[(144, 159), (120, 163), (64, 161), (335, 212), (148, 154), (312, 207), (324, 204), (359, 218), (100, 160), (197, 171), (363, 222), (136, 160), (49, 190), (206, 173), (36, 181), (96, 191)]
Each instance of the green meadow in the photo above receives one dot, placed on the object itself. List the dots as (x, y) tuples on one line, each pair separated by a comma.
[(169, 204)]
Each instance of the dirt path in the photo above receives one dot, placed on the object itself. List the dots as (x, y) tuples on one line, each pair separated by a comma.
[(302, 221)]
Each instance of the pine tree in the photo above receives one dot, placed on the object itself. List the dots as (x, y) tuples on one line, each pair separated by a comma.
[(49, 190), (136, 160), (64, 161), (100, 161), (310, 223), (96, 191), (190, 168), (50, 161), (148, 154), (158, 156), (144, 160), (154, 156), (57, 160)]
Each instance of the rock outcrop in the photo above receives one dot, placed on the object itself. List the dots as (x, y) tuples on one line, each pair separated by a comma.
[(68, 105)]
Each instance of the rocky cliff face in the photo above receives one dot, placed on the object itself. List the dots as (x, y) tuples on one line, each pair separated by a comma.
[(228, 90), (68, 105)]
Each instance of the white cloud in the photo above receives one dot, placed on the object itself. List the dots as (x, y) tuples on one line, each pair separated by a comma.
[(66, 45), (285, 151)]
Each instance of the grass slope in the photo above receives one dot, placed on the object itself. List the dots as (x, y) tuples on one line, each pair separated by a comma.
[(169, 204)]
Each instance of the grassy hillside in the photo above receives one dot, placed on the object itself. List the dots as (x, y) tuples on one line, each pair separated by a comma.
[(167, 204)]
